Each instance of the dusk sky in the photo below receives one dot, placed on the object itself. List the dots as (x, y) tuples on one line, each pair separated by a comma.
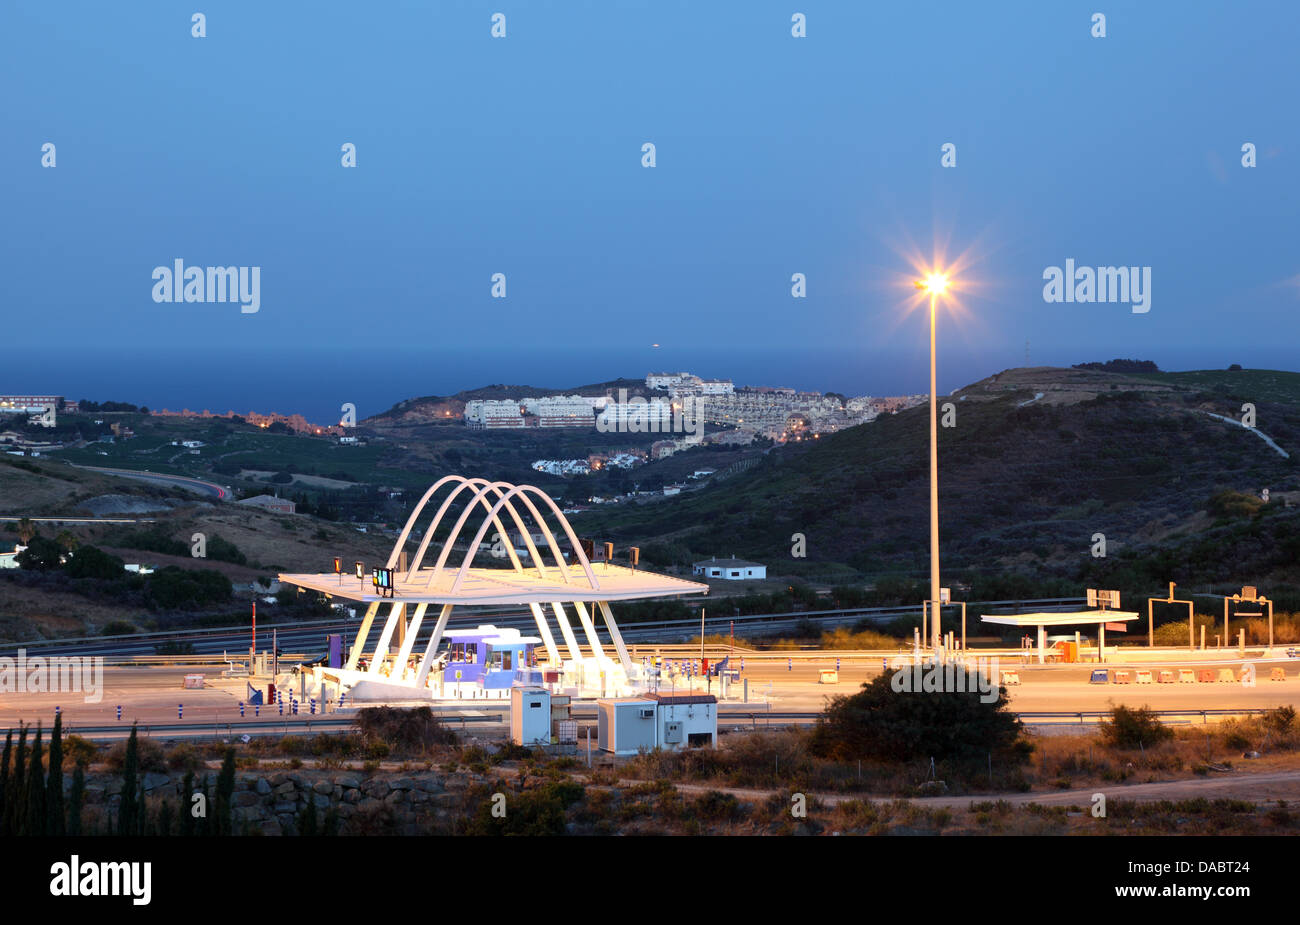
[(775, 155)]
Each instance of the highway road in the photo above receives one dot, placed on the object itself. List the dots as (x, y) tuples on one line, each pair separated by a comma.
[(157, 478), (310, 636)]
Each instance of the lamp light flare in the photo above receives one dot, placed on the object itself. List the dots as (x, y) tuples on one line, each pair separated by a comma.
[(934, 283)]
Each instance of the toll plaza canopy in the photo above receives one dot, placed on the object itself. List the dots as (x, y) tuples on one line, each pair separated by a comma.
[(601, 581), (1041, 621)]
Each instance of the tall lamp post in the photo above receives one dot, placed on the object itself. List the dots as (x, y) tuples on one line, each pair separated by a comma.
[(934, 284)]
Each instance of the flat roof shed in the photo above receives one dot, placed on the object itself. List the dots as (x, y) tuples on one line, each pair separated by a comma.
[(1097, 618)]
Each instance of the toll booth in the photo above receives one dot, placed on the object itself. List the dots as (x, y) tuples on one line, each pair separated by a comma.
[(530, 716), (487, 658), (334, 646)]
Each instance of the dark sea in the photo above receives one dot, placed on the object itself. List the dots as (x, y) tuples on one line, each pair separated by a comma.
[(317, 382)]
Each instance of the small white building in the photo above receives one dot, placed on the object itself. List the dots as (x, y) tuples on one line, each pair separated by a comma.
[(630, 725), (530, 716), (730, 569)]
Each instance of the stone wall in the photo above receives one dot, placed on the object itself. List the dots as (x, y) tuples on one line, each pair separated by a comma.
[(270, 802)]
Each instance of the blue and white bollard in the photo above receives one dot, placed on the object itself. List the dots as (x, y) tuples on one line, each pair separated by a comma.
[(313, 706), (257, 709), (742, 663), (341, 697), (281, 706), (180, 711), (56, 709), (241, 708), (837, 664), (789, 664), (119, 713)]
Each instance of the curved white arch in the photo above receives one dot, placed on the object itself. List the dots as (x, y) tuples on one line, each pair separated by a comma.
[(564, 521), (437, 519), (491, 515), (465, 482)]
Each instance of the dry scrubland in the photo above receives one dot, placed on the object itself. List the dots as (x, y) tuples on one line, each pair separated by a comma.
[(400, 772)]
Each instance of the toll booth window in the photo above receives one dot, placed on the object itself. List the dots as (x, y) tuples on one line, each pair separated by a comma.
[(457, 652), (506, 660), (471, 651)]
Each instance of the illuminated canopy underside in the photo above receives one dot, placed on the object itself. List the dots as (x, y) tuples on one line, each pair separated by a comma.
[(504, 586), (1062, 619)]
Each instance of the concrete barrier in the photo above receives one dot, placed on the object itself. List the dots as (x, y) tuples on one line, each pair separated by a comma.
[(1226, 676), (1142, 676), (1206, 676), (1186, 676), (1277, 674), (1099, 676), (1011, 677), (1166, 677), (1122, 677)]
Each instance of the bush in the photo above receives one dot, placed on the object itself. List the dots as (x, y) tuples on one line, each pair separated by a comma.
[(533, 812), (415, 729), (118, 628), (150, 755), (1134, 728), (1231, 505), (880, 722), (78, 751)]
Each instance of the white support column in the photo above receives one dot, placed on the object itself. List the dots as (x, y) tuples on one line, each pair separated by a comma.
[(566, 631), (1042, 643), (615, 635), (432, 648), (360, 643), (395, 613), (552, 653), (593, 639), (408, 643)]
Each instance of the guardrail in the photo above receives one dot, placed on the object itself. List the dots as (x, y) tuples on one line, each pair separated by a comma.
[(771, 620)]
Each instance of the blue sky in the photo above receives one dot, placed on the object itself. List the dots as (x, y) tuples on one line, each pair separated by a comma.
[(522, 155)]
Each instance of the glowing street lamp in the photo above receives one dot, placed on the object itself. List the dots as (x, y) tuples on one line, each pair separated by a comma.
[(935, 284)]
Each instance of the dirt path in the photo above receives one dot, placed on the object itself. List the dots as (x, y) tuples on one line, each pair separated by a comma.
[(1259, 788)]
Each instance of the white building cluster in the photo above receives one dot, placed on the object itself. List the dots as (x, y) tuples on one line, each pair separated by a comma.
[(544, 411)]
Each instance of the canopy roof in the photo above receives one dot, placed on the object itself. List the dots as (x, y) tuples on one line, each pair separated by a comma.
[(503, 586), (1072, 618)]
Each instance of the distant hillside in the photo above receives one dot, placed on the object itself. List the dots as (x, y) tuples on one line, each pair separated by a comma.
[(432, 409), (1039, 461)]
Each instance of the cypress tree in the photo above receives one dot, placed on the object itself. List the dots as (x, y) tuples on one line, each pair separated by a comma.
[(127, 809), (186, 823), (76, 796), (4, 784), (14, 809), (141, 812), (54, 791), (226, 793), (206, 825), (164, 827), (34, 810), (307, 819)]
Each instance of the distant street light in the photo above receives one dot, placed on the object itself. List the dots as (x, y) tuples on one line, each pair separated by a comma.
[(935, 284)]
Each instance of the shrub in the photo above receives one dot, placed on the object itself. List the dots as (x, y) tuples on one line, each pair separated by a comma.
[(150, 754), (1134, 727), (880, 722), (414, 729)]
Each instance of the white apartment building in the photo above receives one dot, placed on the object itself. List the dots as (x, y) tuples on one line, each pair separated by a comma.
[(641, 416), (665, 381), (561, 411), (486, 413)]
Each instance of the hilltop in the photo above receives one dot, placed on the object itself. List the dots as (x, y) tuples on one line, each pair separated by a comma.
[(1039, 461)]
